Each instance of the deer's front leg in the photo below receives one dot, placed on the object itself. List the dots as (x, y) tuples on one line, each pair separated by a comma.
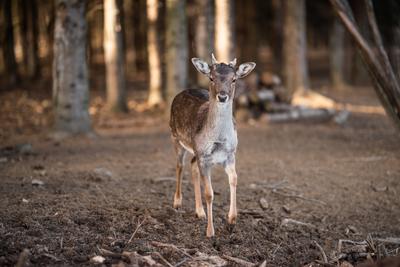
[(230, 169), (205, 172)]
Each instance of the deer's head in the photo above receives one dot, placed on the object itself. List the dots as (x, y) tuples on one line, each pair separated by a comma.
[(222, 77)]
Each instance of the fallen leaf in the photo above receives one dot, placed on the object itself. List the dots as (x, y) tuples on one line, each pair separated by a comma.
[(37, 182), (264, 203), (98, 259)]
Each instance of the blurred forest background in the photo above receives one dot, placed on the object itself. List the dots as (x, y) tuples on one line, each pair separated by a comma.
[(134, 54), (320, 192)]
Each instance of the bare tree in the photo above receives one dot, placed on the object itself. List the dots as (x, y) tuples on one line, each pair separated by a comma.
[(295, 70), (176, 48), (277, 38), (336, 54), (155, 90), (70, 78), (114, 56), (204, 35), (129, 36), (30, 34), (7, 42), (224, 30), (140, 33), (374, 56)]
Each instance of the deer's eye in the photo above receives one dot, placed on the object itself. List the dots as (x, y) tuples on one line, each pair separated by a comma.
[(211, 79), (234, 80)]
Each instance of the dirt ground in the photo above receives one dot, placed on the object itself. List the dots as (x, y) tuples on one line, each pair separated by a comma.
[(112, 193)]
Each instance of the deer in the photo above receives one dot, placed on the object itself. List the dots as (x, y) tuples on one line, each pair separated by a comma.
[(202, 123)]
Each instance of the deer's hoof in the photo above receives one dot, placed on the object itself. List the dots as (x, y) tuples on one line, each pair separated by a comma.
[(177, 203), (200, 213), (210, 232), (232, 219)]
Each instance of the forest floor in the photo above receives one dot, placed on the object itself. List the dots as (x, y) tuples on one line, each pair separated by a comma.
[(300, 184)]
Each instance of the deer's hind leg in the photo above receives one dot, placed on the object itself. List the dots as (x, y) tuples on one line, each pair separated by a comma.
[(197, 188), (180, 153)]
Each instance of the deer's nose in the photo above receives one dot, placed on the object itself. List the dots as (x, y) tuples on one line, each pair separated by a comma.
[(222, 97)]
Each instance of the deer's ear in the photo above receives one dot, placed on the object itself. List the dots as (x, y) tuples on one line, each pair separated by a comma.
[(201, 66), (244, 69)]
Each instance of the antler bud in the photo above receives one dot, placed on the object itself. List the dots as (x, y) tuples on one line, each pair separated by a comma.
[(213, 59), (233, 63)]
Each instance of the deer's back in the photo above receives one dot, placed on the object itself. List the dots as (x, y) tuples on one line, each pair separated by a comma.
[(188, 112)]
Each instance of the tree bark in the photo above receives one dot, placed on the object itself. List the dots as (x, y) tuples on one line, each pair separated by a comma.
[(337, 50), (176, 48), (30, 34), (224, 30), (204, 37), (114, 57), (46, 19), (155, 89), (295, 70), (140, 37), (277, 36), (7, 42), (394, 51), (129, 37), (70, 77)]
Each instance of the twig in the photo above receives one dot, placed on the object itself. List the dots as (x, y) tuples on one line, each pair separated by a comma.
[(102, 193), (300, 197), (51, 256), (109, 253), (181, 262), (165, 245), (239, 261), (137, 228), (327, 264), (324, 258), (291, 221), (163, 259), (390, 240), (276, 185), (276, 250), (358, 243)]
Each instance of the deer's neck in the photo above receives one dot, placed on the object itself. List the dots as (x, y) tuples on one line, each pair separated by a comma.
[(220, 117)]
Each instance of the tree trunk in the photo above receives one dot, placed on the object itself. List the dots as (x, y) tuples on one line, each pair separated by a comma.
[(295, 73), (394, 51), (277, 38), (224, 30), (337, 50), (140, 37), (46, 18), (251, 32), (359, 75), (7, 43), (70, 78), (204, 37), (114, 57), (176, 48), (155, 90), (129, 37), (375, 57), (30, 38)]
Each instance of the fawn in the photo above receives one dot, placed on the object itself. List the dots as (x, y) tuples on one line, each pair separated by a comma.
[(202, 123)]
